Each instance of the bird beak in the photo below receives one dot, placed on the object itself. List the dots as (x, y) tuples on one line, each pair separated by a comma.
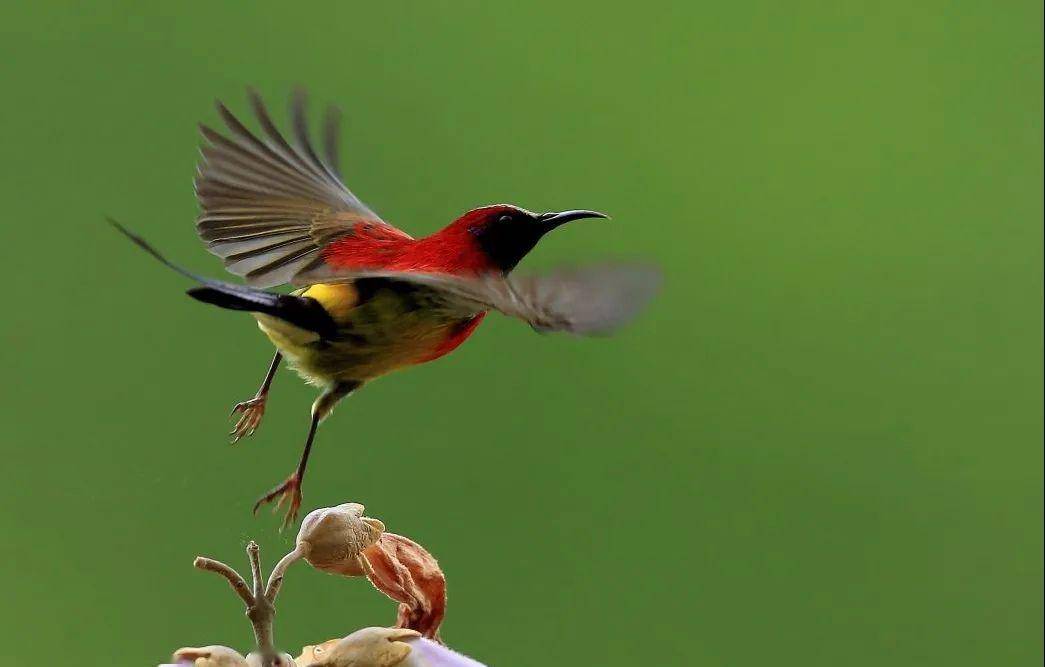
[(553, 220)]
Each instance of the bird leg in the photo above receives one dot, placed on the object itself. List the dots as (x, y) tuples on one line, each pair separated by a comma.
[(251, 411), (290, 490)]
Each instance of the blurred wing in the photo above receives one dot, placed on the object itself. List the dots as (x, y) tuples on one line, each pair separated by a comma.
[(270, 206), (585, 301)]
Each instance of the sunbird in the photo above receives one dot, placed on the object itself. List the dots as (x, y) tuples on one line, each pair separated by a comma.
[(370, 298)]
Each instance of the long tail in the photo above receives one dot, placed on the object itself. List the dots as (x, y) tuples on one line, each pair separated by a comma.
[(300, 311)]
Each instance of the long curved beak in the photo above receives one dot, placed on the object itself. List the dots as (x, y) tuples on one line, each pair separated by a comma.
[(553, 220)]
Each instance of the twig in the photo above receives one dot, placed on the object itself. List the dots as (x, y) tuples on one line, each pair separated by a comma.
[(254, 556), (259, 597), (236, 581), (276, 577)]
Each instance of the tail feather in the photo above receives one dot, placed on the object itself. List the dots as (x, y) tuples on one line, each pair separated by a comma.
[(300, 311)]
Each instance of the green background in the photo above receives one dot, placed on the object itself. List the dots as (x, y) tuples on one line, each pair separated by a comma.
[(822, 445)]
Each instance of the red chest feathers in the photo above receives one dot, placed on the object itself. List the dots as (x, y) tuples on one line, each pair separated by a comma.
[(454, 338)]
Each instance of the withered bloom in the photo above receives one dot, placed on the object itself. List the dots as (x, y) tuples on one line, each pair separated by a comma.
[(404, 571), (340, 540)]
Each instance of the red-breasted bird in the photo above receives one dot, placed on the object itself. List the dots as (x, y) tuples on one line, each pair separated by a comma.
[(372, 299)]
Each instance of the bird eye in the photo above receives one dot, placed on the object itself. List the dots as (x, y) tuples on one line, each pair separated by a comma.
[(504, 219), (317, 650)]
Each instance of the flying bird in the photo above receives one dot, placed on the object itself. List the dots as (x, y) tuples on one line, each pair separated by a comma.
[(370, 298)]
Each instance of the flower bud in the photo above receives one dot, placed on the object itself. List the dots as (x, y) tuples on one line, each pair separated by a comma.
[(222, 656), (382, 647), (282, 660), (331, 539), (314, 653), (209, 656), (369, 647)]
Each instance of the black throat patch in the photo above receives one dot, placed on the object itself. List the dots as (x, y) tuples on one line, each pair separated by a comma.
[(506, 242)]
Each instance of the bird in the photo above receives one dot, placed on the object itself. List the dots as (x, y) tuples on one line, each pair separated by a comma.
[(367, 298)]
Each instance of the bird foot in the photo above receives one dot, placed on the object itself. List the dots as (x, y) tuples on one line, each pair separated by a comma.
[(250, 414), (288, 492)]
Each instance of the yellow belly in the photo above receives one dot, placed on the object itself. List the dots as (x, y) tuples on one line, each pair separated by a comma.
[(376, 337)]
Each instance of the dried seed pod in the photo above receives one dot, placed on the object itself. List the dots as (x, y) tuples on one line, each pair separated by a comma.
[(369, 647), (404, 571), (332, 538), (342, 541)]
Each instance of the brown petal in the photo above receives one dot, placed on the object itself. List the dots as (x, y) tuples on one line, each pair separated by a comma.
[(402, 569)]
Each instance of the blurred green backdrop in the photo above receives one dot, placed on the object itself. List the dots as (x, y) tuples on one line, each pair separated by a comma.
[(822, 445)]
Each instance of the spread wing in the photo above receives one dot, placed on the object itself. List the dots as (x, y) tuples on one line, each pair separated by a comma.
[(270, 206), (592, 300)]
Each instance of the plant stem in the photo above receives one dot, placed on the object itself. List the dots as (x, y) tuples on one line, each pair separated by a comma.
[(259, 598)]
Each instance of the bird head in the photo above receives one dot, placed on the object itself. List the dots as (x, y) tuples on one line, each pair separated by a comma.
[(506, 233)]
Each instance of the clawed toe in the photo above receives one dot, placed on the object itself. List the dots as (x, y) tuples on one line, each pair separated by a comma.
[(288, 493), (251, 413)]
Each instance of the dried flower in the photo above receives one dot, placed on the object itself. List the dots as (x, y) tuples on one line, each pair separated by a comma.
[(331, 539), (404, 571), (342, 541)]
